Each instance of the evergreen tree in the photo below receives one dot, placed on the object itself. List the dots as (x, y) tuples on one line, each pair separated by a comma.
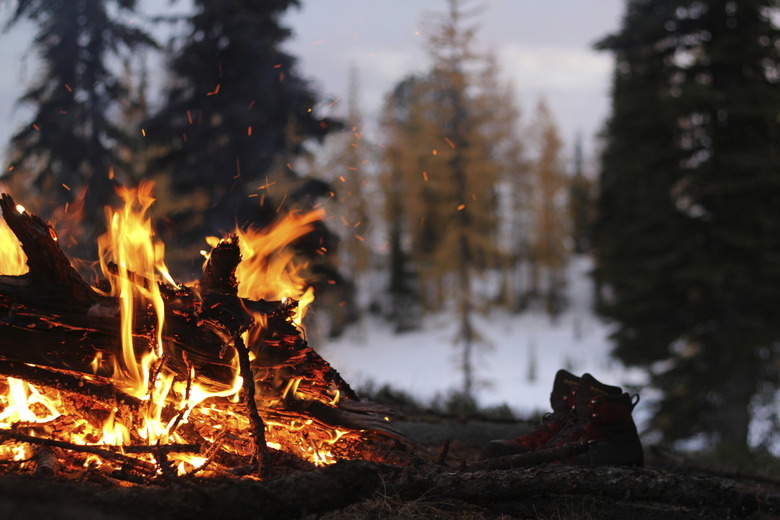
[(349, 176), (581, 203), (236, 115), (444, 169), (72, 142), (400, 161), (549, 242), (688, 235), (345, 164)]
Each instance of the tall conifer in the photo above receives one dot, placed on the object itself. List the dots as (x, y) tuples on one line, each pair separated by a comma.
[(688, 234), (235, 116), (72, 141)]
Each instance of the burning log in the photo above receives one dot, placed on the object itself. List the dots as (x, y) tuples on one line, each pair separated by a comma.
[(59, 332)]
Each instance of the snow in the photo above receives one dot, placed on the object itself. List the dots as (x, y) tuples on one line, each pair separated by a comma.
[(525, 351)]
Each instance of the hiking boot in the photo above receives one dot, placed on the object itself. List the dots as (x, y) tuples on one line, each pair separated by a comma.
[(562, 400), (603, 416)]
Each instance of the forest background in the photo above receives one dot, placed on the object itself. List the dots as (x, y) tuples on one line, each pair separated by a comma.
[(447, 196)]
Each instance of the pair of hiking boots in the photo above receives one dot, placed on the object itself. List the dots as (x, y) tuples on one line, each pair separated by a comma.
[(584, 409)]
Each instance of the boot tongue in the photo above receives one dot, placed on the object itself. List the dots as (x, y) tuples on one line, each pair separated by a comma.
[(563, 387), (591, 388)]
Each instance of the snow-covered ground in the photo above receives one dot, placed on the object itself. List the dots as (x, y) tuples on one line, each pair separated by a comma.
[(517, 369)]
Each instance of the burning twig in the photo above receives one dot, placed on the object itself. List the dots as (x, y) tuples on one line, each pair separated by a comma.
[(258, 426), (95, 450), (96, 387)]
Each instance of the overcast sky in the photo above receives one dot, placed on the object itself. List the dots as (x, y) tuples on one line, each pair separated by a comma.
[(544, 47)]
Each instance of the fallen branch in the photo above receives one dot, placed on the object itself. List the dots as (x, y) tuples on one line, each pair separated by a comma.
[(635, 492), (534, 458)]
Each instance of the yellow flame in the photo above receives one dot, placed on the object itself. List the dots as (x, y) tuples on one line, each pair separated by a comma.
[(18, 401), (129, 244), (13, 261)]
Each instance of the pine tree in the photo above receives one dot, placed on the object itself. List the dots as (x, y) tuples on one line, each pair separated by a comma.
[(549, 247), (444, 171), (344, 163), (235, 117), (71, 144), (582, 203), (350, 171), (687, 235), (400, 162)]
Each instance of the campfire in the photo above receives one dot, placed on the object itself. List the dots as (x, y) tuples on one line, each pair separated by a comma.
[(139, 377)]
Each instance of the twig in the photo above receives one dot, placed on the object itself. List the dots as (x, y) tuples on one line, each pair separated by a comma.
[(105, 452), (258, 426), (557, 454), (445, 449)]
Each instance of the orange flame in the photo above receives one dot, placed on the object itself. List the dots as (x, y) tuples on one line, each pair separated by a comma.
[(129, 246), (269, 267)]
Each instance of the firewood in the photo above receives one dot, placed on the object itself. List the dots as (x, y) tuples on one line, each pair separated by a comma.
[(51, 318)]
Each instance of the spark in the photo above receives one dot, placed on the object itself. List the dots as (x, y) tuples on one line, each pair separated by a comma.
[(278, 66), (249, 130), (352, 168), (189, 116), (452, 145), (143, 132), (425, 176), (68, 87), (66, 186), (435, 152), (357, 224), (267, 185), (461, 207), (342, 179), (359, 237), (278, 208), (36, 127), (346, 224), (251, 105), (20, 208)]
